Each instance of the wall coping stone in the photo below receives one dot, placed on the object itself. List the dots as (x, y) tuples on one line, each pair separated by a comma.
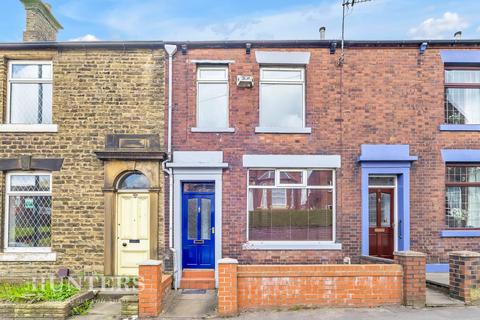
[(465, 254), (228, 261), (150, 262), (409, 253)]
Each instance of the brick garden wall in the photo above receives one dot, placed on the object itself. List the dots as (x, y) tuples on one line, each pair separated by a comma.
[(95, 92), (244, 287), (391, 96)]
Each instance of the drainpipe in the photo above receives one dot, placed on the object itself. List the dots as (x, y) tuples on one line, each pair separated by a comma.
[(171, 49)]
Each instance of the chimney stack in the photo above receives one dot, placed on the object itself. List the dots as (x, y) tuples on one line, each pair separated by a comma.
[(41, 25), (322, 33), (457, 35)]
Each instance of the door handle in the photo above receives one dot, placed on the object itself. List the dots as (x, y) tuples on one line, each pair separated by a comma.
[(124, 244), (213, 230)]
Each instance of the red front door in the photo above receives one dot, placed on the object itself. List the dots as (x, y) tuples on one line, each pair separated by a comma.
[(381, 222)]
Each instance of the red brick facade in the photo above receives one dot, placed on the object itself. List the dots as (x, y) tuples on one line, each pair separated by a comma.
[(381, 95)]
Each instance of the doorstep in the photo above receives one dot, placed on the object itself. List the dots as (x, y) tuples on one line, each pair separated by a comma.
[(198, 279)]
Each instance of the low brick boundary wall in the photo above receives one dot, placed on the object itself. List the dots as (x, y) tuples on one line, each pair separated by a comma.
[(58, 310), (464, 276), (414, 277), (154, 286), (243, 287)]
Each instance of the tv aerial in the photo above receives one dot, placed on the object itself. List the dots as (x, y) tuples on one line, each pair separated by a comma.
[(346, 5)]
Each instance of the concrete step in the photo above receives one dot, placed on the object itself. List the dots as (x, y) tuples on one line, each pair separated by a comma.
[(197, 283), (198, 273)]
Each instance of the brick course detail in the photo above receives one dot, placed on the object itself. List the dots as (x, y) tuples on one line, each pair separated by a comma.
[(153, 288)]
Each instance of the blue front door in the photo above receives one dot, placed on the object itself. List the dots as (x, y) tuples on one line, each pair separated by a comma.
[(198, 227)]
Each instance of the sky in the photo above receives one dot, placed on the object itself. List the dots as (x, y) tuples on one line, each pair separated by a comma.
[(91, 20)]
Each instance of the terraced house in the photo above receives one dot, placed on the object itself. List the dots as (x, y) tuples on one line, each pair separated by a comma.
[(289, 152), (80, 152)]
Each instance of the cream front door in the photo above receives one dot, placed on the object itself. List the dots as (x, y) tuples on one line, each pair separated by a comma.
[(133, 232)]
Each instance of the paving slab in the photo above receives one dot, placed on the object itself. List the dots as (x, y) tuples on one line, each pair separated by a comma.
[(438, 277), (107, 310), (436, 298), (191, 304)]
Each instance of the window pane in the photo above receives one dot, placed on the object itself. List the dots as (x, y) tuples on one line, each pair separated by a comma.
[(30, 103), (30, 183), (462, 106), (291, 177), (320, 177), (282, 74), (31, 71), (463, 174), (135, 180), (381, 181), (279, 198), (463, 207), (192, 219), (386, 209), (261, 177), (29, 221), (212, 105), (212, 74), (372, 209), (198, 187), (307, 215), (206, 214), (281, 105), (462, 76)]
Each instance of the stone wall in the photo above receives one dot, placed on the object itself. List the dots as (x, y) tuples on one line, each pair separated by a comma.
[(95, 92)]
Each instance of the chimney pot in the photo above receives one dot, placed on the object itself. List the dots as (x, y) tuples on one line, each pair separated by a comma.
[(322, 33), (457, 35), (41, 25)]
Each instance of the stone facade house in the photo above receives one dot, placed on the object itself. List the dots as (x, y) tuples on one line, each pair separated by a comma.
[(81, 136), (284, 152)]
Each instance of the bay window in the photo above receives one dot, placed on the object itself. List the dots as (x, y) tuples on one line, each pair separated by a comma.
[(463, 196), (291, 205), (28, 211)]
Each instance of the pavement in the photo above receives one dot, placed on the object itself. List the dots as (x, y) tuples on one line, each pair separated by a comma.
[(385, 313)]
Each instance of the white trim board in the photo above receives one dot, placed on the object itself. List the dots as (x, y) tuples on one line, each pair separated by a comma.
[(291, 161), (282, 57)]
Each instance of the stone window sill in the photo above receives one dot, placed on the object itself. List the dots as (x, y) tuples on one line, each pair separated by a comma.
[(282, 130), (459, 127), (292, 245), (10, 127), (459, 233), (27, 256), (214, 130)]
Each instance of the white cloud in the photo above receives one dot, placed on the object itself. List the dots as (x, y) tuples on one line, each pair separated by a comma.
[(439, 28), (86, 37)]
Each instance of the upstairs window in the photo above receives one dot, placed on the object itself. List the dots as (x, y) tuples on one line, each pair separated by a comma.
[(282, 98), (28, 211), (462, 95), (463, 196), (212, 97), (29, 92)]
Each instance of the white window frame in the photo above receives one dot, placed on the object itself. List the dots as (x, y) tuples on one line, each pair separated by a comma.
[(263, 129), (8, 193), (26, 127), (290, 244), (212, 81)]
